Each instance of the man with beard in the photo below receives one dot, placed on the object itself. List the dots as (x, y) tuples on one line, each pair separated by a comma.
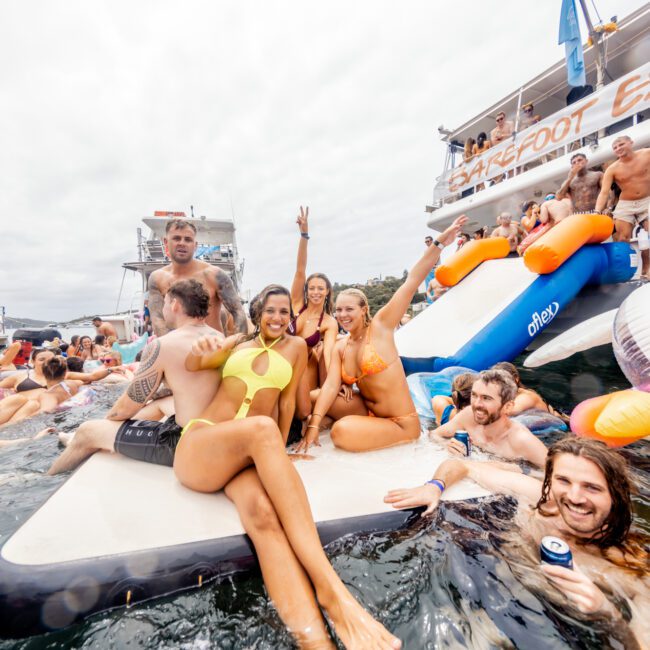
[(487, 420), (585, 500), (582, 186), (180, 242)]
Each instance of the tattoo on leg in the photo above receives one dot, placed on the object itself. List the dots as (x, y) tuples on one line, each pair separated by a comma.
[(142, 388), (149, 356)]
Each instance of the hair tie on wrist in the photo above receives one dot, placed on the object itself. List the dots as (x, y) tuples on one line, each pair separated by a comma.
[(438, 483)]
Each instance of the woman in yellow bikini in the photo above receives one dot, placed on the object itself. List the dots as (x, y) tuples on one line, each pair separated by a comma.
[(237, 444), (382, 413)]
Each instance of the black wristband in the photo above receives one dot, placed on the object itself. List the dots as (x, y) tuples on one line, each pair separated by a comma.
[(304, 235), (440, 245)]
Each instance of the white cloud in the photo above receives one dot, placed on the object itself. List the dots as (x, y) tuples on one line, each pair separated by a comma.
[(115, 109)]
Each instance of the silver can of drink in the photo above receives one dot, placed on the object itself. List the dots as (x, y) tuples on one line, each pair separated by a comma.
[(463, 437), (554, 550)]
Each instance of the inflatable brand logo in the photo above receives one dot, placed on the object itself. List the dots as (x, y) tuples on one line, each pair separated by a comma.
[(539, 320)]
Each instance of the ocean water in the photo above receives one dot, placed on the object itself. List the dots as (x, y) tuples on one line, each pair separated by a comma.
[(452, 581)]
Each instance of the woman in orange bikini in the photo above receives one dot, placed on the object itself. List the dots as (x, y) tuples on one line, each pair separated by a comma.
[(311, 300), (382, 413)]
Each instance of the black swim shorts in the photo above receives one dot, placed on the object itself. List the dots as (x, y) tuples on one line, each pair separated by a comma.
[(149, 441)]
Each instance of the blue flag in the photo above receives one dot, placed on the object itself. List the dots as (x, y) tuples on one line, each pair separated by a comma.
[(570, 36)]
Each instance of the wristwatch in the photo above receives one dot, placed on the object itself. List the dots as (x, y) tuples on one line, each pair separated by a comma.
[(304, 235), (440, 245)]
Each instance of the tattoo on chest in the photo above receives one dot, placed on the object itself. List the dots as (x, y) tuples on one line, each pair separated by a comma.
[(142, 388), (149, 356)]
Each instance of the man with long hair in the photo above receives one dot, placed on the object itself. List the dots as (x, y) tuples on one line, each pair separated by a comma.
[(585, 499)]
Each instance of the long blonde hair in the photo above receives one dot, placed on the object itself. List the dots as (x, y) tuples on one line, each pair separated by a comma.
[(363, 302)]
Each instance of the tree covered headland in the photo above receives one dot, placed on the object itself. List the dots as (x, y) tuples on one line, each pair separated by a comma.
[(379, 292)]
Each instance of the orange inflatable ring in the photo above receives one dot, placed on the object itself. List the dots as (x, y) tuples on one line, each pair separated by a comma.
[(469, 257), (617, 419), (556, 246)]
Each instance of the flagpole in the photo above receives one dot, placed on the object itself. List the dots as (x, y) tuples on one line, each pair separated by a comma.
[(596, 40)]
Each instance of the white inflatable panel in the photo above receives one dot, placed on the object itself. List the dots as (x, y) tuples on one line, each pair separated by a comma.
[(114, 505), (444, 327), (588, 334)]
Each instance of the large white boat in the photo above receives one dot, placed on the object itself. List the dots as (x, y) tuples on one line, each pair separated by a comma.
[(501, 307)]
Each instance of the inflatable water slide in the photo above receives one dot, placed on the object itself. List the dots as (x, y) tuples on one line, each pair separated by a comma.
[(497, 305)]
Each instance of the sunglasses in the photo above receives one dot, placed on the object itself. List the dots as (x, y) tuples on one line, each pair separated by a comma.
[(499, 119), (107, 360)]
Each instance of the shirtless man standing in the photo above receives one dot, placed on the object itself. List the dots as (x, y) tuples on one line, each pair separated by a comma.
[(105, 329), (631, 172), (553, 210), (585, 500), (511, 231), (180, 241), (582, 185), (185, 308), (487, 420)]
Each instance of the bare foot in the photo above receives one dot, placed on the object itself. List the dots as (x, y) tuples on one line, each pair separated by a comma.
[(356, 628), (44, 432), (65, 438)]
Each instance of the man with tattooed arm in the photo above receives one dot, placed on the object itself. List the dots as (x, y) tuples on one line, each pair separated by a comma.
[(180, 242), (131, 427)]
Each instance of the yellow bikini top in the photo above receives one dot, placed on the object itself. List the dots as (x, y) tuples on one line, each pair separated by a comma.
[(240, 365)]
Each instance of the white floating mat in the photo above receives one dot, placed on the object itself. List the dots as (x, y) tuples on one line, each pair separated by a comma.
[(131, 531)]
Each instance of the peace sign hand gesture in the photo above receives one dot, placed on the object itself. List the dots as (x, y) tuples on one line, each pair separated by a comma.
[(302, 220)]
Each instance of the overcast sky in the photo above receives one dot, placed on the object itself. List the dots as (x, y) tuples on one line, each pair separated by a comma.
[(111, 110)]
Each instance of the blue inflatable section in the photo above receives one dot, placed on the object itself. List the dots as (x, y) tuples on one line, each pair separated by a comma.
[(515, 327), (424, 385), (129, 351)]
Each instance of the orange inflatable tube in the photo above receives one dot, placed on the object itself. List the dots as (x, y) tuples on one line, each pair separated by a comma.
[(469, 257), (556, 246)]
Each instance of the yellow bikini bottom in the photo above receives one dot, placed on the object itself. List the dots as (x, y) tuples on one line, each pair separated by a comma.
[(194, 421)]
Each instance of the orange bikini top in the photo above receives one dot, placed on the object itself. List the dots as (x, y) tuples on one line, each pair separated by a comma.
[(371, 362)]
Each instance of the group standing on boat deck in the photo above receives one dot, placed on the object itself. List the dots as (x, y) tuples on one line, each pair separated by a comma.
[(234, 397)]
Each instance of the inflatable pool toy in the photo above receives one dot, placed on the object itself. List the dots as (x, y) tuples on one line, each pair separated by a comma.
[(557, 245), (533, 236), (623, 417), (92, 364), (84, 397), (541, 422), (423, 386), (469, 257), (631, 336), (130, 350), (92, 546), (617, 419)]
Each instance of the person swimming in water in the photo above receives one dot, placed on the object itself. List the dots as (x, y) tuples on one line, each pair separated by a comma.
[(445, 407), (237, 444), (526, 398), (32, 381), (585, 500), (311, 300), (382, 413)]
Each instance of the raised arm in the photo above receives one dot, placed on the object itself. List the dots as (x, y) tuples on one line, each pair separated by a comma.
[(230, 300), (143, 386), (605, 187), (156, 300), (298, 284), (8, 356), (326, 397), (287, 401), (390, 314), (564, 188)]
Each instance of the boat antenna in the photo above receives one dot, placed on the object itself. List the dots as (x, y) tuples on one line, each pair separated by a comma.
[(192, 211), (232, 209), (596, 39)]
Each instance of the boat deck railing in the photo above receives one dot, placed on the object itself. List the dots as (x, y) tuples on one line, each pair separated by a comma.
[(152, 250), (586, 140)]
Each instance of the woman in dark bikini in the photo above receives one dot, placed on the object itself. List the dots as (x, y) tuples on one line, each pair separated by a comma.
[(32, 380), (311, 300), (237, 444), (382, 413)]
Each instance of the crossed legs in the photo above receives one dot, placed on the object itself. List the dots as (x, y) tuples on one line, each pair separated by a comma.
[(208, 457)]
